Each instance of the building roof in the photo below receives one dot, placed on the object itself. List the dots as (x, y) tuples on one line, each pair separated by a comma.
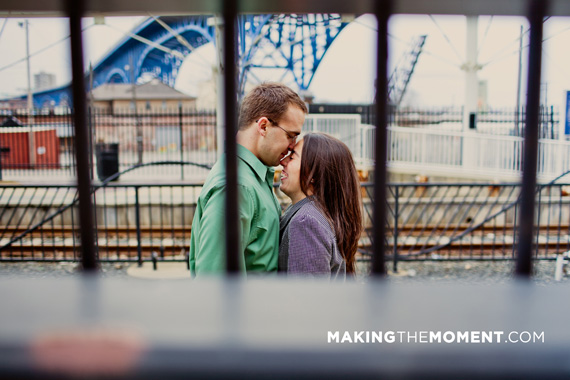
[(154, 89)]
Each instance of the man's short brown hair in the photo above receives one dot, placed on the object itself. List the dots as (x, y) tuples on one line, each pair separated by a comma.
[(268, 99)]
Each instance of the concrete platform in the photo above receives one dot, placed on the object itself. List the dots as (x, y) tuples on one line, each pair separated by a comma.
[(164, 271)]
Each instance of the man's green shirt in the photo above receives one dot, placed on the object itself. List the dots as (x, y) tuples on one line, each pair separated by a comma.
[(259, 213)]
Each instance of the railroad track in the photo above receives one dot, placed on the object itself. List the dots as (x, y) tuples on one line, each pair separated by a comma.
[(57, 242)]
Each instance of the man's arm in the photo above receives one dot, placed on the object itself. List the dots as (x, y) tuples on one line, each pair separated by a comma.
[(211, 247)]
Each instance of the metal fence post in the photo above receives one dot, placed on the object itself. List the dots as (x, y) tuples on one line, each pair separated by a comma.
[(181, 140), (230, 105), (536, 14), (382, 11), (138, 226), (76, 10), (396, 232)]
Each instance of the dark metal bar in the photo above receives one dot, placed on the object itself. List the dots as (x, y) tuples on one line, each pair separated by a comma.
[(396, 231), (75, 9), (230, 106), (138, 226), (524, 257), (180, 125), (382, 12)]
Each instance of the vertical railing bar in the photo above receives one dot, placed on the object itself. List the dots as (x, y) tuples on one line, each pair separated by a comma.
[(128, 240), (150, 224), (382, 12), (96, 223), (559, 227), (181, 140), (72, 209), (396, 232), (63, 230), (172, 226), (117, 252), (138, 226), (75, 9), (524, 257), (161, 215), (230, 106), (549, 213), (537, 228), (105, 225), (183, 216)]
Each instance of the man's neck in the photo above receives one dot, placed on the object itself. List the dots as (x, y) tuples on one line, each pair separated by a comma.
[(244, 139)]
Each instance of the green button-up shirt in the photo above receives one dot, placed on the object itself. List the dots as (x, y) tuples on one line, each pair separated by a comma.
[(259, 213)]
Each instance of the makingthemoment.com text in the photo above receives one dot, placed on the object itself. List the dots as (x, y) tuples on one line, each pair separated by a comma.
[(435, 337)]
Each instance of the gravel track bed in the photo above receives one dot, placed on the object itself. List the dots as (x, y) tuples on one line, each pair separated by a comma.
[(408, 272)]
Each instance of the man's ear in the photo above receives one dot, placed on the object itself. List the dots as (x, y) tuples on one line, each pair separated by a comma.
[(262, 126)]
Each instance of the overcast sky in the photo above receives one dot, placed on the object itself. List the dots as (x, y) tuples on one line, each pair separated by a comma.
[(347, 72)]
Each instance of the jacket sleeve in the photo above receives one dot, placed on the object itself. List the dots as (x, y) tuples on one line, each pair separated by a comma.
[(211, 247), (310, 247)]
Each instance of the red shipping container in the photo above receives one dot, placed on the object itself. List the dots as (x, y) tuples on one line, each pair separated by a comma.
[(46, 152)]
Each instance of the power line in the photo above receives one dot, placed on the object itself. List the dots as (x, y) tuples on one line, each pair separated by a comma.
[(3, 26), (39, 51), (504, 56), (408, 44), (485, 35), (446, 38)]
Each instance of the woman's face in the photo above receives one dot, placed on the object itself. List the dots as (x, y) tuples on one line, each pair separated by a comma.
[(290, 176)]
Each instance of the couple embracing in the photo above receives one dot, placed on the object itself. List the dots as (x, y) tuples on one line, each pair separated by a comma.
[(318, 233)]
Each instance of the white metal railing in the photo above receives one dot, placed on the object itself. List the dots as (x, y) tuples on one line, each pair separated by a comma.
[(443, 152), (483, 155), (348, 129)]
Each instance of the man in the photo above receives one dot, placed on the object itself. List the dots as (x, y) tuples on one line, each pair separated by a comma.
[(270, 119)]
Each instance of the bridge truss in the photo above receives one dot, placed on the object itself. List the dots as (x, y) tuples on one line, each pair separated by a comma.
[(289, 46)]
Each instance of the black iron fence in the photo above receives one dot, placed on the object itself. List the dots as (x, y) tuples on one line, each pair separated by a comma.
[(143, 222), (501, 121), (45, 144)]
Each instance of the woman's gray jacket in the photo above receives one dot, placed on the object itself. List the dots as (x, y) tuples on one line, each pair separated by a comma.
[(308, 244)]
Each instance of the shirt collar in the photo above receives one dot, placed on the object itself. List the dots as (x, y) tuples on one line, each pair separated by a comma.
[(291, 211), (263, 172)]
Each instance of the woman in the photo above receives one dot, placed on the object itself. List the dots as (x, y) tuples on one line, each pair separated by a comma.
[(319, 232)]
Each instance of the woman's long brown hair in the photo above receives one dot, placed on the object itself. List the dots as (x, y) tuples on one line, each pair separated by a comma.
[(327, 168)]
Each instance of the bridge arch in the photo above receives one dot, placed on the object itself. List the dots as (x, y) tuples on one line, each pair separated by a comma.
[(160, 64), (117, 75), (295, 44)]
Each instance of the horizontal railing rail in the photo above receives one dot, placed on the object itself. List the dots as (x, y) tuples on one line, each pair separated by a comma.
[(139, 222)]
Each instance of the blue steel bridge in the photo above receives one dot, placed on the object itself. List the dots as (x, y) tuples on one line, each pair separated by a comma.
[(295, 44)]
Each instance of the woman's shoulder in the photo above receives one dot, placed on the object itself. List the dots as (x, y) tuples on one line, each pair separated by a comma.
[(310, 212)]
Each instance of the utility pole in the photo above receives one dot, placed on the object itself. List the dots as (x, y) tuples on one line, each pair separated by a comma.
[(471, 67), (518, 110), (136, 114), (219, 74), (31, 142)]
